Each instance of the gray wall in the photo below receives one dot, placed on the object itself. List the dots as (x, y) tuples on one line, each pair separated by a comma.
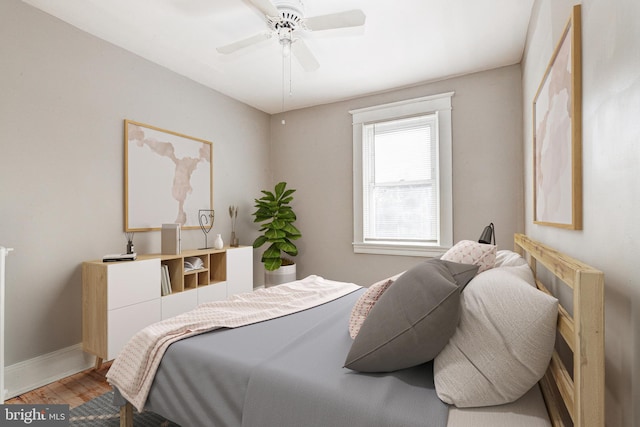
[(313, 153), (63, 97), (611, 177)]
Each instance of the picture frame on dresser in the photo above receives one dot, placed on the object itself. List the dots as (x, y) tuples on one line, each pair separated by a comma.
[(168, 177), (557, 134)]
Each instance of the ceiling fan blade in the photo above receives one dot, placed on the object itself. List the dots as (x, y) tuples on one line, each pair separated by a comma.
[(350, 18), (304, 55), (241, 44), (266, 7)]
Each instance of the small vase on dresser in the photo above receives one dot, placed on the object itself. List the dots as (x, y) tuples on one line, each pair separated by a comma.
[(218, 243)]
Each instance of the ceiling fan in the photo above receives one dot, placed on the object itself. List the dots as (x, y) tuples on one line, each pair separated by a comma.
[(285, 18)]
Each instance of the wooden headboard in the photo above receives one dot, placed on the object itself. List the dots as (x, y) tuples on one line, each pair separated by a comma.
[(580, 392)]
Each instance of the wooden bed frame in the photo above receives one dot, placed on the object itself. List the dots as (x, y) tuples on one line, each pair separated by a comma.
[(572, 397), (580, 392)]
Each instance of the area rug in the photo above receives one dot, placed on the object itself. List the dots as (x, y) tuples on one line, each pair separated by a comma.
[(100, 412)]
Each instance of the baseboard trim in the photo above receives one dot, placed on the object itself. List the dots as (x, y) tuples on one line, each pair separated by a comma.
[(42, 370)]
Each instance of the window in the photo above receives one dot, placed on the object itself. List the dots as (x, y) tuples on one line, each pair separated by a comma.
[(402, 177), (400, 185)]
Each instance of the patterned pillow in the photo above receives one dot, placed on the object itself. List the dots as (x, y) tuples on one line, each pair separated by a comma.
[(364, 305), (469, 252)]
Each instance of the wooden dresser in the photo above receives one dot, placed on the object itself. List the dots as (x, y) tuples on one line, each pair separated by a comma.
[(121, 298)]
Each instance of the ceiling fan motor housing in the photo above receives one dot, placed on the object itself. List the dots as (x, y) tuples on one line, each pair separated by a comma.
[(291, 15)]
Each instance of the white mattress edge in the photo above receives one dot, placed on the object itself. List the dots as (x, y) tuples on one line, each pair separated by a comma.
[(528, 411)]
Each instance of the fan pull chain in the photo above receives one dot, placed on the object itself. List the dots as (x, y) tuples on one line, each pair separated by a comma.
[(284, 70), (283, 78)]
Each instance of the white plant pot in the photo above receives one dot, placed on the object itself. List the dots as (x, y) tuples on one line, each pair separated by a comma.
[(285, 274)]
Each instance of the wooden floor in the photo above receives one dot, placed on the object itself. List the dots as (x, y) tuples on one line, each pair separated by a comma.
[(74, 390)]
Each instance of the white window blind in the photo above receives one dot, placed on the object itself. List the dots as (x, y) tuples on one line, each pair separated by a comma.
[(400, 178), (402, 183)]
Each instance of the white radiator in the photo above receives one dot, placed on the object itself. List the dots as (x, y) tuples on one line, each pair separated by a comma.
[(3, 253)]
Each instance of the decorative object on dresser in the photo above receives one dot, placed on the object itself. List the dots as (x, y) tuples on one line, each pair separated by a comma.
[(233, 213), (130, 247), (120, 298), (119, 257), (218, 243), (165, 173), (171, 239), (277, 218), (557, 134), (205, 218)]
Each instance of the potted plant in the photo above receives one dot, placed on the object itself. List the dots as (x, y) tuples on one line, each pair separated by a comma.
[(277, 218)]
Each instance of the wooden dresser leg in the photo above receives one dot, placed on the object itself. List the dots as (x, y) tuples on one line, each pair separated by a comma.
[(98, 364), (126, 415)]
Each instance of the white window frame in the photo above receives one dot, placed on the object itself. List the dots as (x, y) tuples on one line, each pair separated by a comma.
[(440, 105)]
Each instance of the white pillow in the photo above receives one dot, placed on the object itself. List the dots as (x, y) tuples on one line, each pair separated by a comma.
[(522, 271), (506, 258), (503, 343), (470, 252)]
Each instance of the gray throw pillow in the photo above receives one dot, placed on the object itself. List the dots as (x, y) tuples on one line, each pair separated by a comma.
[(413, 320)]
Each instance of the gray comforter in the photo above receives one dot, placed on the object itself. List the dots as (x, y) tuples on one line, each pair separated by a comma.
[(288, 372)]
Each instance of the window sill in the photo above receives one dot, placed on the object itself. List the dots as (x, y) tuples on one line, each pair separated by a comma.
[(398, 249)]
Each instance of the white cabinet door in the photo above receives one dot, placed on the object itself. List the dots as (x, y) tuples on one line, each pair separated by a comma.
[(213, 292), (178, 303), (239, 270), (124, 322), (132, 282)]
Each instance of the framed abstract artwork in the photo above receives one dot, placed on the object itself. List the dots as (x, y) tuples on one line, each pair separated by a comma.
[(168, 178), (557, 134)]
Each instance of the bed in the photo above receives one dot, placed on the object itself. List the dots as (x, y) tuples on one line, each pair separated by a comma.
[(290, 370)]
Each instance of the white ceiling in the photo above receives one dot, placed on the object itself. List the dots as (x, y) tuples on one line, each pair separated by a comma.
[(403, 43)]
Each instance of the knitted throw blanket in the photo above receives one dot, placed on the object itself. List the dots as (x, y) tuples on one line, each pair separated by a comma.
[(132, 372)]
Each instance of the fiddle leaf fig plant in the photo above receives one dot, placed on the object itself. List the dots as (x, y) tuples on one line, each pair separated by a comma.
[(276, 218)]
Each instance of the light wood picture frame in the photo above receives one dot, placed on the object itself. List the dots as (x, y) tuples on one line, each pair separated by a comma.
[(168, 178), (557, 134)]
